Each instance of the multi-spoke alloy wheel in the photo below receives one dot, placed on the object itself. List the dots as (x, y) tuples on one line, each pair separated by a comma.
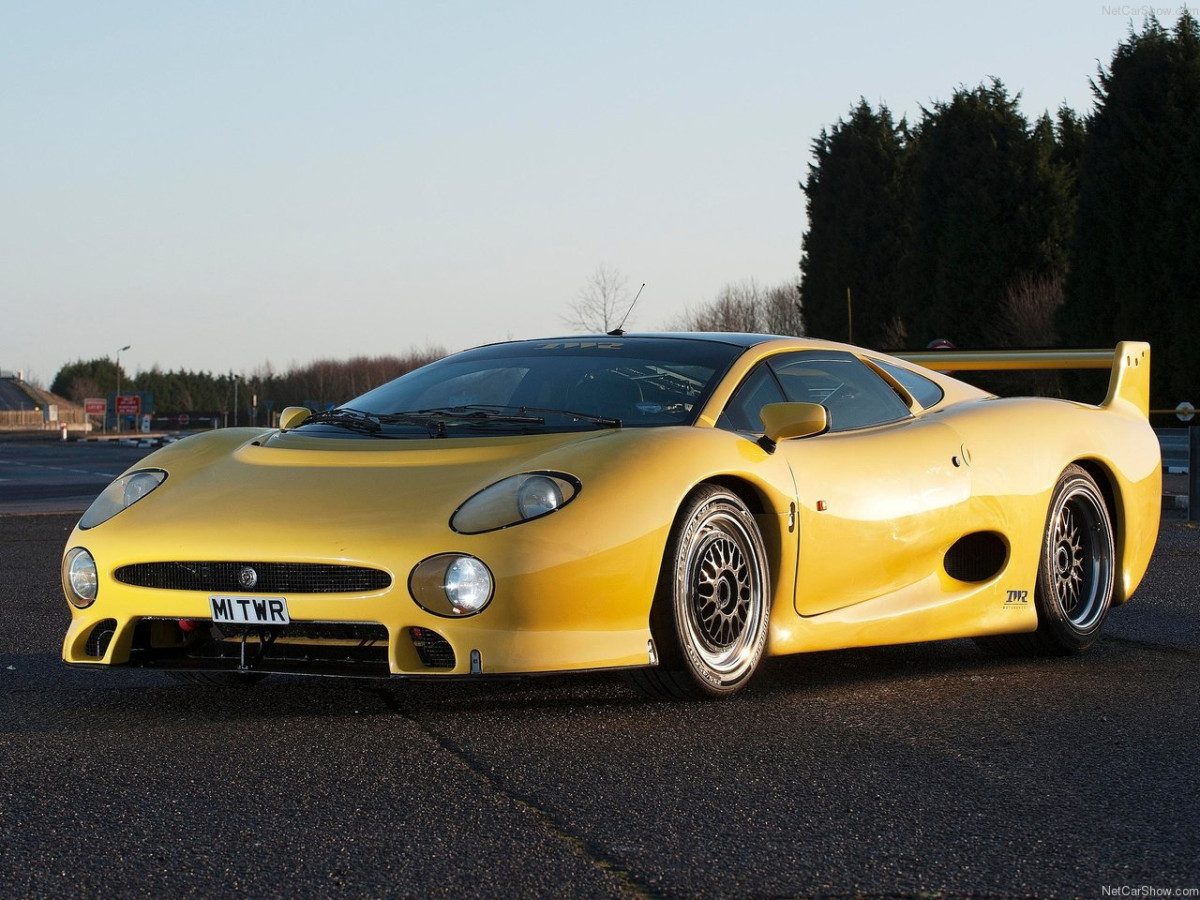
[(1076, 576), (720, 592), (1076, 572), (710, 616), (1081, 569)]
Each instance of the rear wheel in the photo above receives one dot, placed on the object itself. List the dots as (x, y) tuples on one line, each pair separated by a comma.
[(1076, 573), (710, 612)]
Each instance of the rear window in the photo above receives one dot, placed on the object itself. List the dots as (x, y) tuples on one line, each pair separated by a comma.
[(923, 390)]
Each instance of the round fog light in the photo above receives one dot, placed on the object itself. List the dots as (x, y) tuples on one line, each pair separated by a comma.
[(451, 584), (80, 578), (468, 585)]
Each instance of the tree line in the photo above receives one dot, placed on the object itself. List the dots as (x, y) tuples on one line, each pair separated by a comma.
[(972, 224), (978, 226), (316, 385), (975, 225)]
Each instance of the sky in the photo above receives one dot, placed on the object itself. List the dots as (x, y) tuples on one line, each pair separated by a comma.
[(226, 186)]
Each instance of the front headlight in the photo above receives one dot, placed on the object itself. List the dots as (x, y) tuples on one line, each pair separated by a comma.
[(451, 584), (517, 498), (120, 495), (80, 579)]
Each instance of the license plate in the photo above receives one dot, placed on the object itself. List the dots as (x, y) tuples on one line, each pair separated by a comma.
[(233, 610)]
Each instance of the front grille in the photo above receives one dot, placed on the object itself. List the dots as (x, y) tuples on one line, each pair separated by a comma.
[(434, 650), (270, 578), (99, 638), (357, 649), (364, 633)]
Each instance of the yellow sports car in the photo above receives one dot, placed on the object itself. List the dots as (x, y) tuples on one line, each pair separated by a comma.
[(677, 506)]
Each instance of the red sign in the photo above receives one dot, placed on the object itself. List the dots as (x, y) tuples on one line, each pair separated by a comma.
[(95, 406), (128, 404)]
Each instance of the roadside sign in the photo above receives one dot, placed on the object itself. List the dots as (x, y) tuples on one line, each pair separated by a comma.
[(95, 406), (128, 404), (1184, 411)]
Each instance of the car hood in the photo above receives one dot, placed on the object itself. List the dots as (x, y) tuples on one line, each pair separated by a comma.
[(243, 488)]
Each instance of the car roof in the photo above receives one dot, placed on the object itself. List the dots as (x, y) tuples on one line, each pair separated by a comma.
[(736, 339)]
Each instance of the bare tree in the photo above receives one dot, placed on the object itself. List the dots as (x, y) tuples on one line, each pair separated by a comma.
[(602, 302), (1026, 319), (1028, 312), (746, 306), (893, 335), (782, 311)]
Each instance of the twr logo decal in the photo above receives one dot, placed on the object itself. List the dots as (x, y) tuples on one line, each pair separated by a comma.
[(1017, 598)]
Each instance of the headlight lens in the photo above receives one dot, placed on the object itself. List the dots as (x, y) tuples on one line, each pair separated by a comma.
[(80, 578), (120, 495), (515, 499), (538, 495), (451, 584)]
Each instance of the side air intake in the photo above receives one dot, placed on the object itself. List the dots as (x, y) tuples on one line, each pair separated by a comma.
[(976, 557)]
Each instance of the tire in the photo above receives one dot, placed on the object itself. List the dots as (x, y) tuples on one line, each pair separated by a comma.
[(712, 606), (219, 679), (1076, 573)]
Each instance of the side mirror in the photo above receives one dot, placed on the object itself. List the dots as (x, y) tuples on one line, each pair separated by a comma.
[(792, 420), (293, 417)]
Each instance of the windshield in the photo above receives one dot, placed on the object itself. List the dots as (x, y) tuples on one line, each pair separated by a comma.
[(537, 387)]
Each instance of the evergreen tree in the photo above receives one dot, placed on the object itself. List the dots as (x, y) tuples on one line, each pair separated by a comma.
[(992, 204), (1135, 269), (855, 228), (86, 378)]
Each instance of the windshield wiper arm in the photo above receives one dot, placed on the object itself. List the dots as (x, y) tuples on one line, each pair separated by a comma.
[(480, 413), (345, 417), (603, 421), (538, 411)]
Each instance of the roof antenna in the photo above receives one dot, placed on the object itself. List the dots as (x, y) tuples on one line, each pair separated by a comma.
[(620, 330)]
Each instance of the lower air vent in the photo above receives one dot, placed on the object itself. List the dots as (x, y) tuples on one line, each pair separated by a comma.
[(976, 557), (254, 577), (99, 639), (433, 649)]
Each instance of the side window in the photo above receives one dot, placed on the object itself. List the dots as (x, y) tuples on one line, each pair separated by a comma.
[(923, 390), (741, 413), (855, 396)]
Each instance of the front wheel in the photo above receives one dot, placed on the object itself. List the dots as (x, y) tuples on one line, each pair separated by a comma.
[(711, 608)]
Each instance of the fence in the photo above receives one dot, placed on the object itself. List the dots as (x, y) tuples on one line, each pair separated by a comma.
[(35, 420)]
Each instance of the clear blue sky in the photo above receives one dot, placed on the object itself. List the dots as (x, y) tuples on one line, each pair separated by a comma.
[(223, 185)]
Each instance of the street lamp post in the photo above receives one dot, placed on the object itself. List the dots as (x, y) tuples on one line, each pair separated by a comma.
[(117, 401), (235, 398)]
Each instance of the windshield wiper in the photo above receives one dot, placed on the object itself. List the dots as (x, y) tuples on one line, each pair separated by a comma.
[(603, 421), (345, 417), (479, 413), (435, 420)]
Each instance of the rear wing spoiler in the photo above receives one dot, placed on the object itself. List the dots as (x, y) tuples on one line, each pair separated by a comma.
[(1130, 364)]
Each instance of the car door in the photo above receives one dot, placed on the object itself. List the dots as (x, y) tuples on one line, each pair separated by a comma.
[(877, 494)]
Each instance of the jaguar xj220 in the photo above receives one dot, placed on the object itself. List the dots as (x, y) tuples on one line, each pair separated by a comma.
[(676, 506)]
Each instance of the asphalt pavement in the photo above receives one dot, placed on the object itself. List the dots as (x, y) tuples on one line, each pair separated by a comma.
[(59, 476), (931, 770)]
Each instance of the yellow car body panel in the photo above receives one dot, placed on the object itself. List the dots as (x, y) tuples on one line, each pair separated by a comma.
[(857, 525)]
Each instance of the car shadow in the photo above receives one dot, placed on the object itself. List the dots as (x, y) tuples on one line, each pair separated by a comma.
[(40, 693)]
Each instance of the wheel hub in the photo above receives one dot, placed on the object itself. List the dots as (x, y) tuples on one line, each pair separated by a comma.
[(1068, 561), (722, 591)]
